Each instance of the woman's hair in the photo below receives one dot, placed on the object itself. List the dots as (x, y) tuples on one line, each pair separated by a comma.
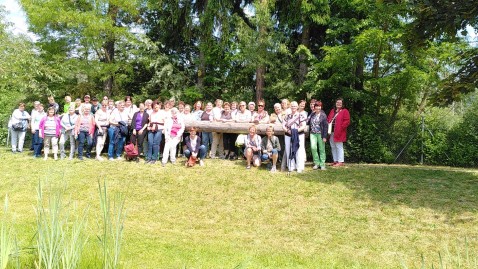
[(318, 103), (195, 104), (226, 104), (21, 104), (253, 127), (174, 110), (104, 102), (270, 127), (128, 98), (51, 108)]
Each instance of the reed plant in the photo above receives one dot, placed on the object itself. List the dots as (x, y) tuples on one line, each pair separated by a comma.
[(8, 242), (58, 245), (111, 225)]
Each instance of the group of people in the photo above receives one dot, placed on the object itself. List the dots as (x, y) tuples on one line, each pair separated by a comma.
[(91, 124)]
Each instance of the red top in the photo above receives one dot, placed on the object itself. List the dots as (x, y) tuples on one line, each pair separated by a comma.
[(342, 121)]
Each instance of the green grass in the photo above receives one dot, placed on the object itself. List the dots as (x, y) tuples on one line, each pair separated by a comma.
[(224, 216)]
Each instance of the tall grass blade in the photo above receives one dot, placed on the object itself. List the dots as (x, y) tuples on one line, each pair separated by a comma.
[(112, 224), (8, 242)]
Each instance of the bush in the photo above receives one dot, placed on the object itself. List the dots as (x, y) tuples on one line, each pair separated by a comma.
[(463, 139), (365, 142)]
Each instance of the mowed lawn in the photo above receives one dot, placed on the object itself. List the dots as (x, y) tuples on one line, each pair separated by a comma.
[(224, 216)]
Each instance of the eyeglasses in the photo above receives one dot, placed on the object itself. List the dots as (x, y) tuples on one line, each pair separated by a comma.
[(260, 105)]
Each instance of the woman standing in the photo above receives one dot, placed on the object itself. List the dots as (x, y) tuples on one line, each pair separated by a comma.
[(207, 115), (294, 126), (85, 129), (173, 131), (18, 124), (139, 124), (318, 135), (50, 128), (197, 110), (339, 117), (102, 123), (68, 122), (117, 131), (155, 129), (228, 138)]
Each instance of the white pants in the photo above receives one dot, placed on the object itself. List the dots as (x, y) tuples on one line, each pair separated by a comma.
[(170, 149), (217, 141), (100, 142), (53, 140), (18, 138), (299, 162), (68, 135), (337, 149)]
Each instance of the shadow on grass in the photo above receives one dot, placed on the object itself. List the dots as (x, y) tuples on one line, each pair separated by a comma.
[(449, 191)]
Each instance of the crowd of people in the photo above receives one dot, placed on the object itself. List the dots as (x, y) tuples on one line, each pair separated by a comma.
[(91, 124)]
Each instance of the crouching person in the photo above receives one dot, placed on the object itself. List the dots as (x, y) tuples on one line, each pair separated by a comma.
[(194, 149), (270, 148), (252, 150)]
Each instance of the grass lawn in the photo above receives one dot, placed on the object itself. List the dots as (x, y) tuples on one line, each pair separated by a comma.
[(224, 216)]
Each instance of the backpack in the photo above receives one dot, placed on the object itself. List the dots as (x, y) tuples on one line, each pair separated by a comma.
[(131, 151)]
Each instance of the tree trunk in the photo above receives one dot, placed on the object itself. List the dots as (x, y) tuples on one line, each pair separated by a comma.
[(109, 50), (375, 73), (233, 127), (201, 69), (260, 82), (303, 67)]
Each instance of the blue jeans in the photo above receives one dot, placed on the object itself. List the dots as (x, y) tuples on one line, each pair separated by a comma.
[(206, 140), (112, 145), (82, 136), (37, 144), (201, 153), (154, 140), (265, 156)]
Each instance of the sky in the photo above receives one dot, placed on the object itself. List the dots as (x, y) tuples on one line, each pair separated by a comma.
[(16, 15)]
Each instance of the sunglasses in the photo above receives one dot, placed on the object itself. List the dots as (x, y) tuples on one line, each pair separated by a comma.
[(260, 105)]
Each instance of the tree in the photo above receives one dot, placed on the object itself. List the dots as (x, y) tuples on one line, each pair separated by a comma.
[(88, 31)]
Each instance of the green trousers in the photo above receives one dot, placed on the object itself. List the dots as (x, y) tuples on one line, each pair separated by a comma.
[(319, 157)]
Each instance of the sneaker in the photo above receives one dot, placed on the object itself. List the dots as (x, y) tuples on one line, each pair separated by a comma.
[(173, 163), (338, 164), (315, 167), (299, 171), (111, 159), (162, 164), (152, 162), (248, 167), (99, 158), (201, 163), (273, 169), (322, 168), (80, 158)]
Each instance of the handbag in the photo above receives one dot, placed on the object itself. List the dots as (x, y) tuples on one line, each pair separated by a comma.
[(131, 150), (18, 126), (329, 128)]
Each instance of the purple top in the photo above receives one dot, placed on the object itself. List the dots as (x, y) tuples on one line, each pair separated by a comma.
[(139, 119)]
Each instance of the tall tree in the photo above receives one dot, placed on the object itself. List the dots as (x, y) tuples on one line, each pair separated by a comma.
[(85, 30)]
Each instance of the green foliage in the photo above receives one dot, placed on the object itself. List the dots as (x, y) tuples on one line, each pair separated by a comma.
[(462, 138), (365, 142)]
